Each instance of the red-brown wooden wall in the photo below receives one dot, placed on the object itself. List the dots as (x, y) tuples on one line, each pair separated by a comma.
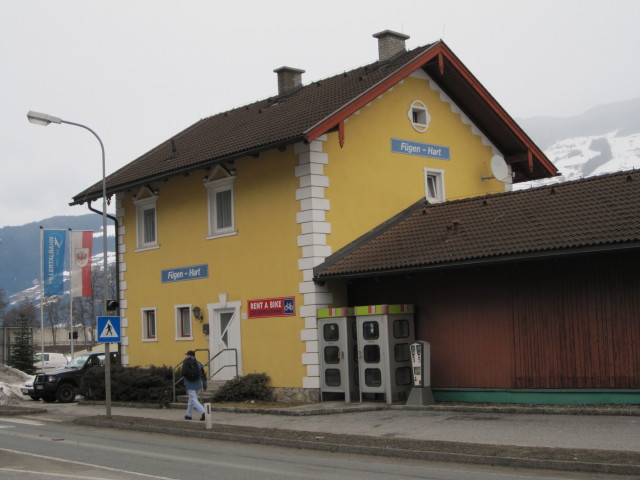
[(566, 323)]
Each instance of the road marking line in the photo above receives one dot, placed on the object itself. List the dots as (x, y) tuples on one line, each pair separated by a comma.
[(84, 464), (48, 420), (49, 475), (22, 421)]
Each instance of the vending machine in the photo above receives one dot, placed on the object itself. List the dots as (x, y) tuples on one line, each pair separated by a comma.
[(338, 354), (421, 369), (384, 334)]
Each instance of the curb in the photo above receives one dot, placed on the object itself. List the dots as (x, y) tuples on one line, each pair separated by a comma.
[(526, 410), (312, 410), (614, 462), (287, 411), (13, 410)]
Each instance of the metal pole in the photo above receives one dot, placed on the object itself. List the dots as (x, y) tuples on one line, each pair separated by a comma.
[(70, 299), (105, 272), (41, 302), (44, 119)]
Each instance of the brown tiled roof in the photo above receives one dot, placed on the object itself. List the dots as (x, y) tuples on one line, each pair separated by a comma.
[(597, 213), (317, 108), (251, 128)]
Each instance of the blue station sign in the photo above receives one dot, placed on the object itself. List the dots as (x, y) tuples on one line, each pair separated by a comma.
[(181, 274), (418, 149)]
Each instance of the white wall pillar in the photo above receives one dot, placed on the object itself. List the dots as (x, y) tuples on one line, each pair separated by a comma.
[(314, 249)]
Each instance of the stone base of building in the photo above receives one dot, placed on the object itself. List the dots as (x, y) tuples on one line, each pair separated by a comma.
[(296, 395)]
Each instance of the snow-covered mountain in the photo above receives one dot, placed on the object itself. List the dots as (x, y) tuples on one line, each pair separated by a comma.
[(33, 292), (604, 139), (20, 252)]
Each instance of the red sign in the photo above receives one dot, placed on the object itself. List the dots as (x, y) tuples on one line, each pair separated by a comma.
[(272, 307)]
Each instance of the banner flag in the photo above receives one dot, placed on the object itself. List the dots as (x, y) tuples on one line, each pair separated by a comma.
[(53, 255), (81, 246)]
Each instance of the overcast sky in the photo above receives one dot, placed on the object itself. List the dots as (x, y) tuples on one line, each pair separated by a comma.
[(139, 71)]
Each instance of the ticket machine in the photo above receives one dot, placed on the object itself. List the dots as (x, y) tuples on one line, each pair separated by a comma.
[(384, 335), (421, 368), (338, 354)]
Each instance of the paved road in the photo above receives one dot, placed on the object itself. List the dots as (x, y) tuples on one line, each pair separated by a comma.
[(52, 449)]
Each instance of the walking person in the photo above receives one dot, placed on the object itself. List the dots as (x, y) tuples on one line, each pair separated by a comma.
[(194, 380)]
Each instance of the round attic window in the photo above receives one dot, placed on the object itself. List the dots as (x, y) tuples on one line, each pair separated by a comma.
[(419, 116)]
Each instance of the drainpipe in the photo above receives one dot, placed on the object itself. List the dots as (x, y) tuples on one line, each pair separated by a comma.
[(117, 279)]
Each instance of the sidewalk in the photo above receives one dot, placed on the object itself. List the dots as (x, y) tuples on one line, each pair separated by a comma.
[(585, 439)]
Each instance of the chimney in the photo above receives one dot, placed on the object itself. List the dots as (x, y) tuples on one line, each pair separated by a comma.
[(289, 78), (390, 43)]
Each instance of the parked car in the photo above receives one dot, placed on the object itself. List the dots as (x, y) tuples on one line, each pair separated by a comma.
[(62, 384), (49, 361)]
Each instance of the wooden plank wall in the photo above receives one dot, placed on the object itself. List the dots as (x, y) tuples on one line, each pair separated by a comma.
[(563, 323), (584, 330)]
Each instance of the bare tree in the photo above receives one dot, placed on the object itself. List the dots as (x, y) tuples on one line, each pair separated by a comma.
[(53, 315), (25, 308), (3, 303), (83, 317)]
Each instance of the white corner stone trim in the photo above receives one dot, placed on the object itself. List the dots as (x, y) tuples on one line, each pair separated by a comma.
[(314, 249), (122, 281)]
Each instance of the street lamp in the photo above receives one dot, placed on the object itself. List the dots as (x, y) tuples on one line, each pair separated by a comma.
[(44, 120)]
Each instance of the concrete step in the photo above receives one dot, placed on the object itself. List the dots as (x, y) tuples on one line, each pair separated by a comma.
[(212, 387)]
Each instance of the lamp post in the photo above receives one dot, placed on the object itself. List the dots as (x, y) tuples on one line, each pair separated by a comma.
[(44, 120)]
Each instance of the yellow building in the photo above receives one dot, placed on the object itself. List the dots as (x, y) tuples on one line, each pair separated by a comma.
[(219, 227)]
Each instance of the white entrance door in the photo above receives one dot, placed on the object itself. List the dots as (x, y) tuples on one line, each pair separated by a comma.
[(224, 342)]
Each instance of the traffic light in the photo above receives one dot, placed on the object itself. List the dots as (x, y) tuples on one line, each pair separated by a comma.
[(75, 335), (111, 306)]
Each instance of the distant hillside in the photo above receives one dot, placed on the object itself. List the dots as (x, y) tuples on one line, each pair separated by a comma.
[(620, 117), (602, 140), (20, 248)]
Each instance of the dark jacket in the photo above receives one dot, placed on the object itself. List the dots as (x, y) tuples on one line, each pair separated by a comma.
[(201, 382)]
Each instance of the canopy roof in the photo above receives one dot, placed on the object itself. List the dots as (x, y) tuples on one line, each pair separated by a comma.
[(593, 214)]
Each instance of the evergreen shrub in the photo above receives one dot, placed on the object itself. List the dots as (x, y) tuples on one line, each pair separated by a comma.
[(22, 351), (131, 384), (242, 388)]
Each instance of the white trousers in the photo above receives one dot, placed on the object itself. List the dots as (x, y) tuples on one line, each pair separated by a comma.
[(193, 403)]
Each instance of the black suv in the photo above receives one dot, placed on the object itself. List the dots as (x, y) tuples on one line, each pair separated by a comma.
[(62, 384)]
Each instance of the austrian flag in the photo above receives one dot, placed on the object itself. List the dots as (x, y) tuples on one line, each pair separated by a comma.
[(81, 243)]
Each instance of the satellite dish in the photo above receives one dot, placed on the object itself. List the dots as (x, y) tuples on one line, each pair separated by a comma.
[(500, 169)]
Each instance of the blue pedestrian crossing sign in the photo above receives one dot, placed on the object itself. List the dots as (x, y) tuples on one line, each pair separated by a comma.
[(108, 329)]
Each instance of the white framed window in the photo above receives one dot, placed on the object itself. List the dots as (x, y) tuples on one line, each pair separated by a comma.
[(184, 329), (220, 202), (149, 330), (434, 185), (146, 219), (419, 116)]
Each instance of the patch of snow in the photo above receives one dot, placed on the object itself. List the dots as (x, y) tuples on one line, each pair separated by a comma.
[(626, 154), (571, 155), (11, 380)]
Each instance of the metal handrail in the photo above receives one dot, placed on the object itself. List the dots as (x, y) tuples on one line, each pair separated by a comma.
[(178, 366), (235, 353), (206, 365)]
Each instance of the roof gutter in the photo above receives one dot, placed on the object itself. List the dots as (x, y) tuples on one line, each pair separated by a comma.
[(173, 173), (117, 272)]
